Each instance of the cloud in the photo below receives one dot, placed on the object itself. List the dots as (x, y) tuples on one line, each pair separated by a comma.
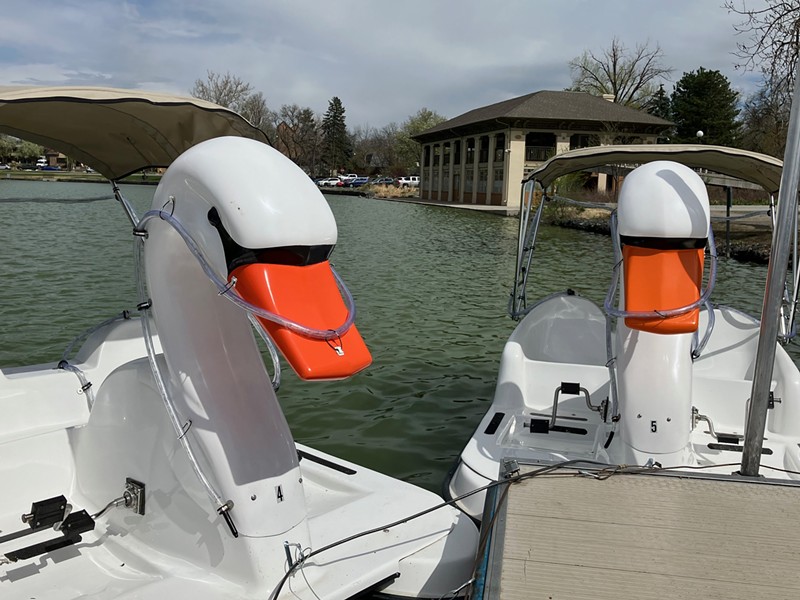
[(384, 60)]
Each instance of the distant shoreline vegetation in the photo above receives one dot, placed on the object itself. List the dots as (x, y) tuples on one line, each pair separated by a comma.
[(78, 177)]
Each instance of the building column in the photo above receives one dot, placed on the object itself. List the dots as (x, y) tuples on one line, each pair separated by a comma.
[(475, 171), (462, 169), (450, 163), (602, 178), (430, 171), (562, 141), (439, 171), (490, 167), (514, 169)]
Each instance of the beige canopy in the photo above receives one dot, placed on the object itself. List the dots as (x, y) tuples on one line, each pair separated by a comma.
[(116, 132), (751, 166)]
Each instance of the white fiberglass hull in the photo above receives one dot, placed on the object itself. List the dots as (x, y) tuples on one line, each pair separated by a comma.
[(563, 340), (52, 444)]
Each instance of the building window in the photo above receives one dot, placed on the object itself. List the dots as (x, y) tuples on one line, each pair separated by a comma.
[(483, 149), (582, 140), (500, 147), (539, 146), (483, 178), (437, 150), (497, 184), (468, 175), (427, 160), (457, 152)]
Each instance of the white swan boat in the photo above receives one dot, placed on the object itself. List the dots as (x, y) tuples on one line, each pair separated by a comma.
[(660, 375), (174, 472)]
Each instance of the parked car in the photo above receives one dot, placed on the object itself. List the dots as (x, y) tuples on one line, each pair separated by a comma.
[(383, 181), (329, 182), (357, 182), (347, 178), (408, 181), (51, 168), (4, 167)]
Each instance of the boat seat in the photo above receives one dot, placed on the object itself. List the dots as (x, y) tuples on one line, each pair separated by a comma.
[(37, 388), (564, 328)]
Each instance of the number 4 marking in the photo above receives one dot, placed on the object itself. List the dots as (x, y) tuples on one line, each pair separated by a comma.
[(279, 493)]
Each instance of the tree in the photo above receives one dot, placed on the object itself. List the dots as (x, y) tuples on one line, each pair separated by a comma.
[(773, 38), (765, 119), (226, 90), (630, 76), (254, 109), (704, 101), (408, 150), (337, 149), (28, 151), (7, 146), (297, 136), (660, 106), (233, 92)]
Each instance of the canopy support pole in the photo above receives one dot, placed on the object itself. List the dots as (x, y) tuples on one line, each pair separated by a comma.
[(773, 296)]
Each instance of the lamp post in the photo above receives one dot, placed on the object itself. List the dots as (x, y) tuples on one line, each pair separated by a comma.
[(700, 135)]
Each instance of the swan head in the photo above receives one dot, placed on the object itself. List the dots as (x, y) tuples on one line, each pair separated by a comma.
[(261, 223)]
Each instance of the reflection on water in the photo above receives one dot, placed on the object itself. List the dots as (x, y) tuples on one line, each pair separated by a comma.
[(431, 286)]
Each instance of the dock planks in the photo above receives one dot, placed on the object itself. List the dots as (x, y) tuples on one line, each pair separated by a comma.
[(643, 536)]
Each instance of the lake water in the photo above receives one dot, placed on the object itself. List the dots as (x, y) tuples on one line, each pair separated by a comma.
[(431, 286)]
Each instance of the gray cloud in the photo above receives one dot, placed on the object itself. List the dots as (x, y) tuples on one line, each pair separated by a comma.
[(384, 60)]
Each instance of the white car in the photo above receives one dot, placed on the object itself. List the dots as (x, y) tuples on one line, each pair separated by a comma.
[(408, 181), (329, 182)]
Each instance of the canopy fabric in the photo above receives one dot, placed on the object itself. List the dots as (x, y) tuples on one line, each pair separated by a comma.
[(114, 131), (750, 166)]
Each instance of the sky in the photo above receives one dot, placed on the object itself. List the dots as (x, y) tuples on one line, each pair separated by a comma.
[(384, 60)]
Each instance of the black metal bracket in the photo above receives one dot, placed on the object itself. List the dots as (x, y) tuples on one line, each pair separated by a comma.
[(71, 529), (52, 513)]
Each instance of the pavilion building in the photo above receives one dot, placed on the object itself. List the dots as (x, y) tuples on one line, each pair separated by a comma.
[(482, 156)]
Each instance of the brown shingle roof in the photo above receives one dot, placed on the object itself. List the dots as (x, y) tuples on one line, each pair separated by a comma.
[(546, 106)]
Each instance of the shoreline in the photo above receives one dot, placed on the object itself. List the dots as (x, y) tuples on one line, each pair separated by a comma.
[(748, 240)]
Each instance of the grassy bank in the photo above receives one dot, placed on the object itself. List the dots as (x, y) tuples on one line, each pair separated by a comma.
[(745, 240)]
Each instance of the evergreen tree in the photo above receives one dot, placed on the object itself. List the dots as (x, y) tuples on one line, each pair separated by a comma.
[(337, 149), (660, 106), (704, 101)]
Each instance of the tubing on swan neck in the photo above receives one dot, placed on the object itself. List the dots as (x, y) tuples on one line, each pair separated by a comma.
[(227, 289)]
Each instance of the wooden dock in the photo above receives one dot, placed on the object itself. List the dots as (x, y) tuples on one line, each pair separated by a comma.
[(572, 537)]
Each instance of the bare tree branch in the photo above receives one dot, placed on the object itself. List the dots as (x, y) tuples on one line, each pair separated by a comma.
[(631, 76), (772, 38)]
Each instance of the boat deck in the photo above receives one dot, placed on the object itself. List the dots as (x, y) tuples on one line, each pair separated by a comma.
[(562, 536)]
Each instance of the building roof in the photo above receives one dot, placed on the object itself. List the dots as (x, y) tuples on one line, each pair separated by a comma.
[(546, 109)]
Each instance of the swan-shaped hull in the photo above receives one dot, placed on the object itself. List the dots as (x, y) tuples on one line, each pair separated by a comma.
[(231, 506)]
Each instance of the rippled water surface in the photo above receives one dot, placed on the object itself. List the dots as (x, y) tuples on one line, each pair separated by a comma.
[(431, 286)]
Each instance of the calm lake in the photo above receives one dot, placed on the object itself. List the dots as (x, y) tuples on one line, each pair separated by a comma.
[(431, 286)]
